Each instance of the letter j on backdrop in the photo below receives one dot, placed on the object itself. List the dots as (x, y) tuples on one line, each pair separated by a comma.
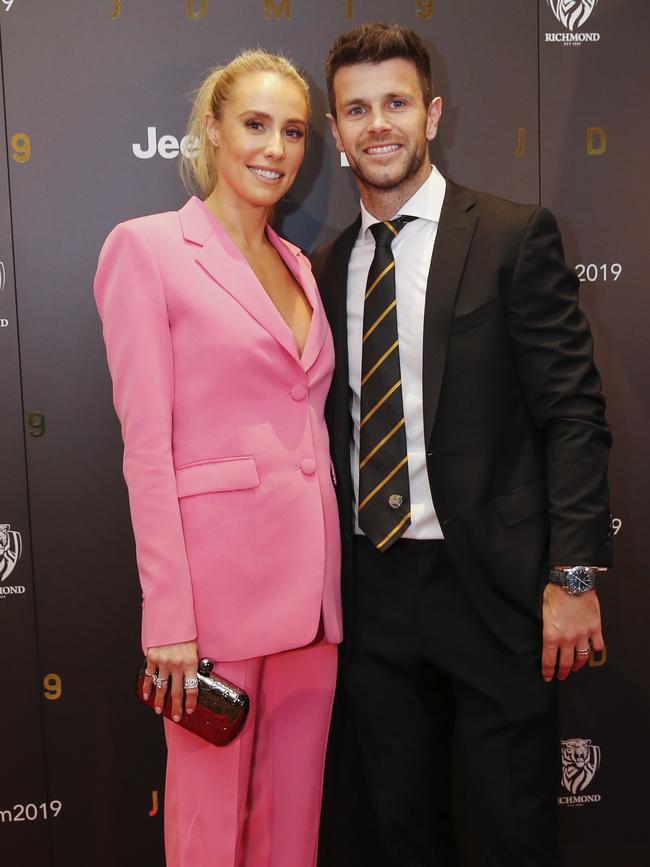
[(596, 141)]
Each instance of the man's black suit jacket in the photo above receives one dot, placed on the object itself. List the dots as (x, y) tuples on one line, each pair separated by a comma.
[(517, 442)]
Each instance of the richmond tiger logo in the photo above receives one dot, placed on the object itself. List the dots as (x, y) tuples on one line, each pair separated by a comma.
[(572, 13), (11, 547), (580, 761)]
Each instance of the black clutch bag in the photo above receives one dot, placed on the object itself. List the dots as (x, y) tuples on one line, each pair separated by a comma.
[(221, 708)]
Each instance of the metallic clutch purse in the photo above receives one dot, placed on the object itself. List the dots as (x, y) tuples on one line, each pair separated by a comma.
[(221, 708)]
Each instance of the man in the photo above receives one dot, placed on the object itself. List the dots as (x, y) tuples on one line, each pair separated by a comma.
[(470, 447)]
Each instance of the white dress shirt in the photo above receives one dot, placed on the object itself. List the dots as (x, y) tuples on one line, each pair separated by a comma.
[(412, 250)]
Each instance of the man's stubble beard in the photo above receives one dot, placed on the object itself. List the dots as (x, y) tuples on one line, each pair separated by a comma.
[(411, 170)]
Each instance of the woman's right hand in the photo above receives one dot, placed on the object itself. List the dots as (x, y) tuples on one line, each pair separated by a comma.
[(176, 662)]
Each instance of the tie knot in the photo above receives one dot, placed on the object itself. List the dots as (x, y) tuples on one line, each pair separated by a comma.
[(385, 232)]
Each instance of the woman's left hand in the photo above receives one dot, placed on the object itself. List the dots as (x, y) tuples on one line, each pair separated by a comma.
[(178, 663)]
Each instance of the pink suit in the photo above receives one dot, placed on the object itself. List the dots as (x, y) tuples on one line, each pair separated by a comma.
[(234, 513)]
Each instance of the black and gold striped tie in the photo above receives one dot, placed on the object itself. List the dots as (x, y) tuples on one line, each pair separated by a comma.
[(384, 499)]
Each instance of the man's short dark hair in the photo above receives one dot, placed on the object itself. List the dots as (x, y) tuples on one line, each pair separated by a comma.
[(374, 42)]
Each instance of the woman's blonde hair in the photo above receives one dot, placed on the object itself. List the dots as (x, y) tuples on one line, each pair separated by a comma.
[(198, 170)]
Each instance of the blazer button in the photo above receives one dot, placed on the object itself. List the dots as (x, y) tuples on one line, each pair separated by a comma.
[(308, 466), (298, 392)]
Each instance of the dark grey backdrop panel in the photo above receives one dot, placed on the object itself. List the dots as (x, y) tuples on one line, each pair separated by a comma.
[(24, 802), (485, 63), (595, 176), (86, 83)]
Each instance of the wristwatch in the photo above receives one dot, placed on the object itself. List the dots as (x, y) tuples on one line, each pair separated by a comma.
[(574, 579)]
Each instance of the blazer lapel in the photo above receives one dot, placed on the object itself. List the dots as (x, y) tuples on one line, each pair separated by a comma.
[(332, 276), (299, 267), (335, 279), (453, 240), (224, 262)]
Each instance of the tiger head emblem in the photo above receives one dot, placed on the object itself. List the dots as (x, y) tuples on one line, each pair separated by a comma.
[(580, 761), (572, 13), (10, 550)]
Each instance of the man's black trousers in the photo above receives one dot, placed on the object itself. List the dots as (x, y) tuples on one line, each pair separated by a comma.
[(422, 670)]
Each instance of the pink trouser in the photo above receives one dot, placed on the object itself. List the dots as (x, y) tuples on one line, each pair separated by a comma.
[(256, 802)]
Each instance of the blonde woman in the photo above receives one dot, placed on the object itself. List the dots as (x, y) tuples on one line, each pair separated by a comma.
[(221, 359)]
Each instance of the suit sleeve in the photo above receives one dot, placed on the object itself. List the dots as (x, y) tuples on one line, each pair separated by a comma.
[(554, 356), (131, 303)]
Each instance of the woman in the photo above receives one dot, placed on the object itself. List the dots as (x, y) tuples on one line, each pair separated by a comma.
[(221, 358)]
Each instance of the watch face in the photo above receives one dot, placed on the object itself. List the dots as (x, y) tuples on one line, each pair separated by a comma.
[(580, 579)]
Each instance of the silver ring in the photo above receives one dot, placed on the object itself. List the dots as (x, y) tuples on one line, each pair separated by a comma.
[(586, 651), (159, 681), (150, 674), (190, 683)]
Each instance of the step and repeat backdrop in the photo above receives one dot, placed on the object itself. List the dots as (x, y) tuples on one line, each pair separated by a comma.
[(544, 101)]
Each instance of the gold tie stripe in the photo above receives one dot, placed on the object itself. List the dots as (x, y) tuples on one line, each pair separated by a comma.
[(381, 484), (381, 443), (378, 321), (378, 364), (390, 391), (378, 279), (395, 529)]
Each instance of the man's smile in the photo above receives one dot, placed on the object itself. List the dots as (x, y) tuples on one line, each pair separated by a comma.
[(382, 150)]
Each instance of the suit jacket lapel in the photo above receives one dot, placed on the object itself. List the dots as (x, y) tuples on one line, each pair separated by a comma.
[(453, 240), (224, 262), (332, 276), (299, 267)]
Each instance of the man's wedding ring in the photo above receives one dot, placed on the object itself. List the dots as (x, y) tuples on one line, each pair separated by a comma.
[(191, 683), (159, 681), (585, 651)]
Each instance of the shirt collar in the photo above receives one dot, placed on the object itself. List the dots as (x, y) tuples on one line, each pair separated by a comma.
[(426, 203)]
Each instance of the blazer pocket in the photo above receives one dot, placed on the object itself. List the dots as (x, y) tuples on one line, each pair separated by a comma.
[(522, 502), (225, 474), (475, 317)]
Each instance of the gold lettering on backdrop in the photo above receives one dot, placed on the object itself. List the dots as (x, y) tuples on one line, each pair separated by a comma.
[(348, 8), (277, 8), (520, 150), (117, 8), (598, 658), (424, 8), (36, 424), (53, 687), (596, 141), (193, 14), (21, 146), (154, 803)]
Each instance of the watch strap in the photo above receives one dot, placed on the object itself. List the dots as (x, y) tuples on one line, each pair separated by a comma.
[(559, 576)]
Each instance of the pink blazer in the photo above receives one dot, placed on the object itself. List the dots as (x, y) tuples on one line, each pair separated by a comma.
[(226, 453)]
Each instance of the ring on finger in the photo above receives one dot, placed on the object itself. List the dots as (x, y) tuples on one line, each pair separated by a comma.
[(190, 683), (150, 674), (584, 651), (159, 681)]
